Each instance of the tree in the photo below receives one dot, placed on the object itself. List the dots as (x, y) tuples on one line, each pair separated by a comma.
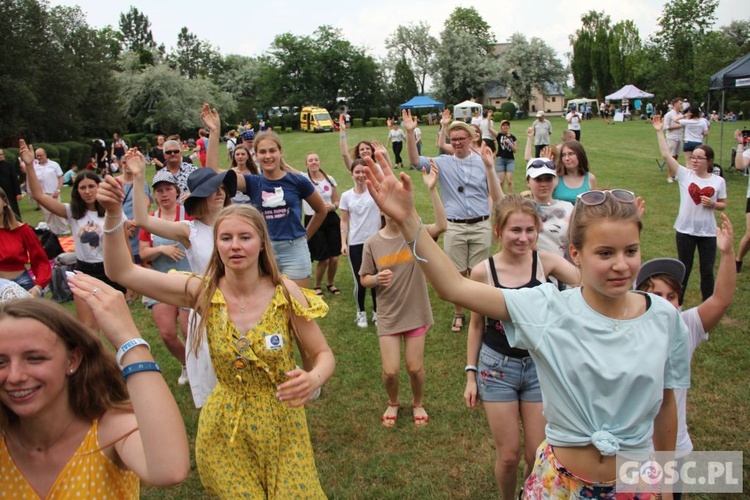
[(415, 43), (468, 20), (682, 25), (159, 99), (404, 85), (136, 35), (194, 57), (624, 41), (462, 69), (526, 66), (591, 47)]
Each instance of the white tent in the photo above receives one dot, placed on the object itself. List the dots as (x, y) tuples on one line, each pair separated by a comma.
[(464, 110), (629, 92)]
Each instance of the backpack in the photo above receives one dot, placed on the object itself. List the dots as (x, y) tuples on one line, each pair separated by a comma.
[(59, 283), (50, 243)]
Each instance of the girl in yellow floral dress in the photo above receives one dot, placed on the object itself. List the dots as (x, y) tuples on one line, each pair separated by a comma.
[(252, 436)]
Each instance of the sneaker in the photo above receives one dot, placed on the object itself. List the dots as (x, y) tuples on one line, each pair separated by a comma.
[(183, 377), (670, 180), (375, 319), (361, 319)]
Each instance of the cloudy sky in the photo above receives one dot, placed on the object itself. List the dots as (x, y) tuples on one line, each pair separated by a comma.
[(248, 28)]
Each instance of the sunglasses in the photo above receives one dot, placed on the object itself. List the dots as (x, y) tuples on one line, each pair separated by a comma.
[(591, 198), (542, 164), (172, 152)]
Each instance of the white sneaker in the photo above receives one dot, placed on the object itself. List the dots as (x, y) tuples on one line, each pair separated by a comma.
[(183, 377), (375, 319), (670, 180), (361, 319), (314, 396)]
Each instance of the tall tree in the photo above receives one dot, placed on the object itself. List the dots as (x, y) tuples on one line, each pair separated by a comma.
[(526, 66), (462, 69), (468, 20), (194, 57), (681, 26), (135, 31), (404, 85), (624, 41), (415, 43)]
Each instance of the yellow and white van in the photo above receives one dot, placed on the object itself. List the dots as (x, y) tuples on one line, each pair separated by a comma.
[(314, 119)]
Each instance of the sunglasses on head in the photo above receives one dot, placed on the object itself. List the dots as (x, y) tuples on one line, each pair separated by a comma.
[(591, 198), (172, 152), (542, 164)]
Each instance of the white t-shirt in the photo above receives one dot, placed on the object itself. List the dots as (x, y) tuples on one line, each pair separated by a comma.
[(696, 336), (88, 235), (484, 127), (694, 128), (746, 156), (364, 216), (574, 122), (669, 118), (555, 220), (324, 188), (48, 175), (693, 218)]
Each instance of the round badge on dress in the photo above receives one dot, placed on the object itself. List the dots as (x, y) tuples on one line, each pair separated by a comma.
[(242, 344), (239, 363)]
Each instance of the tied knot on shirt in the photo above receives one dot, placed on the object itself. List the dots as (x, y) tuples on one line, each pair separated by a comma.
[(605, 442)]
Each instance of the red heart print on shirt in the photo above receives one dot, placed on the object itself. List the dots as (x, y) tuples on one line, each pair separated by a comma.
[(696, 192)]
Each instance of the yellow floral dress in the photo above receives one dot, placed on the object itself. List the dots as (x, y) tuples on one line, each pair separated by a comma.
[(249, 444)]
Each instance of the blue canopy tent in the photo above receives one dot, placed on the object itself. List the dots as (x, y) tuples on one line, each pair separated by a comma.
[(422, 101)]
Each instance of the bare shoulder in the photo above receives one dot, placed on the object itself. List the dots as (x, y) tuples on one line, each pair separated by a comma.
[(294, 291), (479, 272), (114, 424)]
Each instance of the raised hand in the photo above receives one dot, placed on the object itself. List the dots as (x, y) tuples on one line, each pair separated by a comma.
[(394, 197), (657, 123), (377, 147), (26, 153), (135, 161), (409, 123), (111, 194), (210, 118), (342, 122), (445, 117), (430, 178), (725, 235)]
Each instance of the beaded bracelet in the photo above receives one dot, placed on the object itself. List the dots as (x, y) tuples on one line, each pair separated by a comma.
[(114, 229), (146, 366), (413, 243), (128, 346)]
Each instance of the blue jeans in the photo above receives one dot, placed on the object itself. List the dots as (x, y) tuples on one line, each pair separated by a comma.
[(24, 280)]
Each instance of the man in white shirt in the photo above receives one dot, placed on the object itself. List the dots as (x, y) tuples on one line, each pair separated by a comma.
[(51, 178), (673, 129)]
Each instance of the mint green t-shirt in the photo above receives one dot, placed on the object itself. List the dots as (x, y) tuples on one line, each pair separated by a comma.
[(602, 379)]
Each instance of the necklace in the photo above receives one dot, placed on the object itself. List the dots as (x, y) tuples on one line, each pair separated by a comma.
[(237, 299), (41, 449), (616, 321)]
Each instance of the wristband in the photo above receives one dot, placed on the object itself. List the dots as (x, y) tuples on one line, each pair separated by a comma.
[(344, 230), (114, 229), (116, 216), (377, 281), (471, 368), (128, 346), (146, 366)]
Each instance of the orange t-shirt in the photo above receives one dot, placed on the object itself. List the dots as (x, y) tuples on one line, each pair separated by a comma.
[(88, 474)]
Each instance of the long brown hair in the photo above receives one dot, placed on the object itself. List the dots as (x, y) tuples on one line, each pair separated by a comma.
[(216, 269), (9, 218), (577, 149), (320, 169), (97, 385), (250, 163)]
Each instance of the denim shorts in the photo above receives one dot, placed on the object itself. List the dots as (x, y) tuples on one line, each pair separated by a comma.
[(502, 379), (505, 165), (293, 258), (690, 146), (24, 280)]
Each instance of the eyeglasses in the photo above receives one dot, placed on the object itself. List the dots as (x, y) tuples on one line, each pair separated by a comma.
[(591, 198), (459, 139), (698, 158), (172, 152), (542, 164)]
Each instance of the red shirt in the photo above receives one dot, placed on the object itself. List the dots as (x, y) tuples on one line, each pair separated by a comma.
[(21, 246)]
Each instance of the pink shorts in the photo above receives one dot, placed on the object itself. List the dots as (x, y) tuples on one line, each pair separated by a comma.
[(417, 332)]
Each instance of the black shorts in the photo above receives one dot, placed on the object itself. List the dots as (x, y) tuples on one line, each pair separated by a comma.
[(96, 269)]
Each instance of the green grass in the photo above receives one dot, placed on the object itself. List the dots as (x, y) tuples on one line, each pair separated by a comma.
[(453, 456)]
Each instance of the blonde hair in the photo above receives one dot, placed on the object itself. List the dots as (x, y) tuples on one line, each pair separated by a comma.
[(216, 269), (585, 215), (512, 204)]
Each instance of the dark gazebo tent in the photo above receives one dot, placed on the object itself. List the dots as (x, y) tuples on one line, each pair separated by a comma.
[(734, 76)]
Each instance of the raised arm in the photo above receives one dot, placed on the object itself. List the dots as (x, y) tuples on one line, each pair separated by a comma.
[(212, 121), (378, 146), (672, 164), (441, 219), (166, 229), (170, 288), (557, 266), (717, 304), (445, 120), (493, 183), (527, 155), (158, 450), (395, 198), (411, 142), (35, 187), (342, 142)]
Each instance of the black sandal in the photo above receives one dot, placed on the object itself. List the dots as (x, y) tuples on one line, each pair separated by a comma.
[(318, 291), (458, 322), (332, 289)]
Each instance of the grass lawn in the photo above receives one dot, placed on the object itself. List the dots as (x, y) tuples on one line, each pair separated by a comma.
[(453, 456)]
